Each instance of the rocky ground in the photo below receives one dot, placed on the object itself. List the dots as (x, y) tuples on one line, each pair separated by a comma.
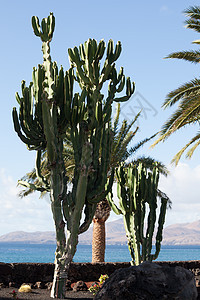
[(42, 294), (39, 291)]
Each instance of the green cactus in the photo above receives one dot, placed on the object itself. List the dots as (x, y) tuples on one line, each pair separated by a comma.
[(137, 191), (48, 111)]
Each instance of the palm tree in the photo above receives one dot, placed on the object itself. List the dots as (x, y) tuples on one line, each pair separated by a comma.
[(187, 95), (121, 139)]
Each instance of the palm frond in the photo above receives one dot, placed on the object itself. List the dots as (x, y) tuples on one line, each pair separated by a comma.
[(25, 192), (133, 122), (187, 113), (186, 89), (116, 119), (191, 151), (193, 24), (177, 157), (118, 138), (192, 12), (30, 188), (192, 56), (121, 153), (132, 150)]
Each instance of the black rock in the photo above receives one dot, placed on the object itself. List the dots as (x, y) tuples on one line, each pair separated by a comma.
[(68, 285), (149, 281)]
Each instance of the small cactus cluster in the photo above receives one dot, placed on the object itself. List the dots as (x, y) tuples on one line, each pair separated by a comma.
[(137, 191), (48, 109)]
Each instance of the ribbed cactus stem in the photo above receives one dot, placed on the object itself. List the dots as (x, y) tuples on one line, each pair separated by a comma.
[(48, 109), (133, 242), (136, 189), (47, 63)]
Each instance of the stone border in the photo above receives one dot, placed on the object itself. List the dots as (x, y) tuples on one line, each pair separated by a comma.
[(36, 272)]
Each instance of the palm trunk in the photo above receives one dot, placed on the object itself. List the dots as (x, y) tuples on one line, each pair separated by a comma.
[(99, 237), (98, 241)]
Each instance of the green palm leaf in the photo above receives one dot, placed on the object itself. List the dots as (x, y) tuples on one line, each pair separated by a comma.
[(192, 12), (187, 96), (187, 113), (133, 149), (185, 90), (192, 56), (177, 157)]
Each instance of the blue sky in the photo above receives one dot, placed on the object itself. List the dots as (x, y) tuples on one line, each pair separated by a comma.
[(148, 30)]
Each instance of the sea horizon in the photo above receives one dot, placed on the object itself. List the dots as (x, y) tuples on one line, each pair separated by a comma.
[(44, 253)]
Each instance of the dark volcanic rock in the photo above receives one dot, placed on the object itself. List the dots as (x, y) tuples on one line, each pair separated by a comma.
[(5, 273), (92, 272), (33, 272), (68, 285), (149, 281)]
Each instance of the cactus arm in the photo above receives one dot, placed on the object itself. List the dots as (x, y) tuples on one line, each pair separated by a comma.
[(154, 177), (18, 129), (161, 222), (102, 194), (130, 88), (113, 206), (89, 212), (121, 190), (133, 242), (143, 240), (41, 178)]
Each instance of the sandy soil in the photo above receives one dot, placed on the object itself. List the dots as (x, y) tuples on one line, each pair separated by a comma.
[(42, 294)]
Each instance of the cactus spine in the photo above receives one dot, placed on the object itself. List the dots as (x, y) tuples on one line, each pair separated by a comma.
[(48, 109), (137, 190)]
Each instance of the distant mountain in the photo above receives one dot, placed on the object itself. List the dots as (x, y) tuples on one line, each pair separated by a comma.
[(37, 237), (177, 234), (115, 234), (182, 234)]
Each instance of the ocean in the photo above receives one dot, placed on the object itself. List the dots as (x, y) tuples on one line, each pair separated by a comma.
[(43, 253)]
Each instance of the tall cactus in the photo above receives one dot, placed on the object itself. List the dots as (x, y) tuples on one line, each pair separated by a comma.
[(49, 109), (91, 78), (137, 191)]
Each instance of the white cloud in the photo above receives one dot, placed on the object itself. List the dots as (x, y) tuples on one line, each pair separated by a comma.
[(34, 214), (182, 186), (28, 214)]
